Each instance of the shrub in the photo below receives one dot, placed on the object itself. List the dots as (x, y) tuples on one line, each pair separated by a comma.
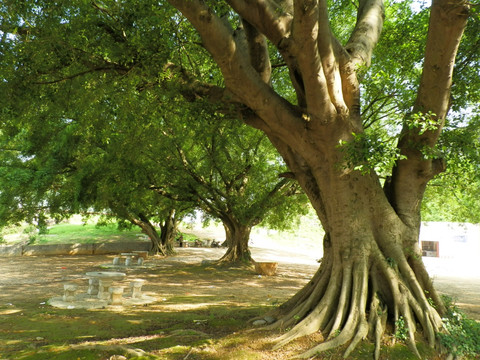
[(462, 336)]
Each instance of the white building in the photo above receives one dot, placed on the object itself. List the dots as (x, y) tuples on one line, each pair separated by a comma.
[(450, 240)]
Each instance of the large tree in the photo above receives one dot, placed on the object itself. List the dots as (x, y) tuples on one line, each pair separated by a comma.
[(372, 265), (317, 118), (231, 172), (131, 138)]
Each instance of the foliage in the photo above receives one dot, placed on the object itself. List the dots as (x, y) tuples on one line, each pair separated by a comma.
[(369, 152), (110, 118), (462, 336), (452, 195), (401, 331)]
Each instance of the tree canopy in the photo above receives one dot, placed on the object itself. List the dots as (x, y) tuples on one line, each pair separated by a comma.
[(132, 142), (360, 99)]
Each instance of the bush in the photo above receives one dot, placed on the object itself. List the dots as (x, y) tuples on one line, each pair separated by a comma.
[(462, 337)]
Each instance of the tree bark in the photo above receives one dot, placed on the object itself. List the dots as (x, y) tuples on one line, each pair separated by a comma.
[(237, 238), (148, 229), (168, 229), (365, 274)]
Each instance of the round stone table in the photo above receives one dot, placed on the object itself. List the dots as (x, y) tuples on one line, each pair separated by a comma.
[(98, 281)]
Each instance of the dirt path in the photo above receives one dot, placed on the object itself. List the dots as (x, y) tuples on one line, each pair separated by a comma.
[(26, 279)]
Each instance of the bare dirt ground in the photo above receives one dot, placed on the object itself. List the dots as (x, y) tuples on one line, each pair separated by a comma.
[(180, 285), (39, 278)]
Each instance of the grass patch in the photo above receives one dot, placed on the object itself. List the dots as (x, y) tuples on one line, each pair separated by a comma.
[(462, 338), (75, 232), (88, 233), (38, 332)]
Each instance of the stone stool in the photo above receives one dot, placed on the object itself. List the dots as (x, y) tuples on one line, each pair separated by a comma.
[(92, 286), (128, 258), (116, 260), (140, 261), (116, 293), (103, 285), (136, 286), (69, 291)]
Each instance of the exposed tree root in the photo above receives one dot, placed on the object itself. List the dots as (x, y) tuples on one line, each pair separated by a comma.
[(351, 300), (234, 256)]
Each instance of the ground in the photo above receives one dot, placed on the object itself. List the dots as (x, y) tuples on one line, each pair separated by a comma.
[(201, 312)]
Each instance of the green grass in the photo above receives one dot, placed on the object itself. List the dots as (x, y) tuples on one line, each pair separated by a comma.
[(89, 233), (69, 233), (39, 332)]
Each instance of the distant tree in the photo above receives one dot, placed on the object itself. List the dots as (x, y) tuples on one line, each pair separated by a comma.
[(231, 172), (189, 151)]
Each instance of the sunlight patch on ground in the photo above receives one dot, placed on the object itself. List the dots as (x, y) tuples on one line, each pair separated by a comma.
[(9, 311), (187, 307), (123, 341)]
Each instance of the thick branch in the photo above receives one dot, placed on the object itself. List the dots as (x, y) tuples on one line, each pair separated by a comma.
[(258, 51), (305, 49), (240, 76), (329, 49), (268, 16), (366, 32), (447, 22)]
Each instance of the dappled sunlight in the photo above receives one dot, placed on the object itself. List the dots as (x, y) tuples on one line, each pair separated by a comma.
[(127, 340), (193, 303), (9, 311), (187, 306)]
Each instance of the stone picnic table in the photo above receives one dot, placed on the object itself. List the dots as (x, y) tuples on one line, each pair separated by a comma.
[(100, 281), (130, 256)]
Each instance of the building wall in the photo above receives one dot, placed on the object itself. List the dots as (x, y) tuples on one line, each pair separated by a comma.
[(453, 240)]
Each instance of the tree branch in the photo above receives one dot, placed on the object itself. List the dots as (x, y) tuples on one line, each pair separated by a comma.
[(329, 49), (258, 51), (305, 48), (448, 19), (81, 73), (240, 77), (367, 31), (271, 18)]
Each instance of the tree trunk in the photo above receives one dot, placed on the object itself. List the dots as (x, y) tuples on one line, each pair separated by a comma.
[(237, 237), (228, 237), (149, 229), (367, 274), (168, 229)]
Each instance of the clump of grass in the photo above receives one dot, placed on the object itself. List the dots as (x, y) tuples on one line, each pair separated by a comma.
[(462, 337), (401, 331)]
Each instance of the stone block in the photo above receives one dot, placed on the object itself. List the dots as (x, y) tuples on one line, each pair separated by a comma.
[(11, 250)]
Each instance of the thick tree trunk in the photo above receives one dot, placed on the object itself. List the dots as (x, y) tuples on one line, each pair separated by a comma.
[(366, 276), (168, 229), (237, 238), (149, 229)]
